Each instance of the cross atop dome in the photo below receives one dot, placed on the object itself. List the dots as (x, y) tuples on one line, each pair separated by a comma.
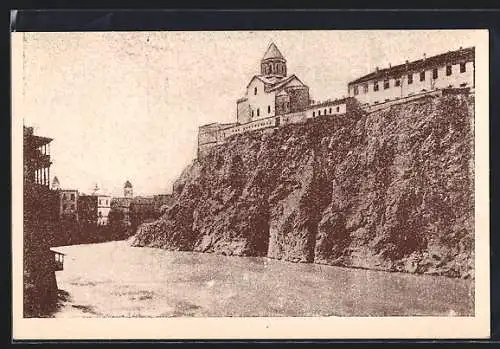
[(273, 62)]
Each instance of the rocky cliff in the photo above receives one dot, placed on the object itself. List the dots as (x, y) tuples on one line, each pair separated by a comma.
[(389, 190)]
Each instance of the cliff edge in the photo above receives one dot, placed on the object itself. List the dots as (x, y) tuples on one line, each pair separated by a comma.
[(390, 190)]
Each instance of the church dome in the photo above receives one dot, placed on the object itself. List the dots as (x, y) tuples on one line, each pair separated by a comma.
[(127, 184), (272, 53)]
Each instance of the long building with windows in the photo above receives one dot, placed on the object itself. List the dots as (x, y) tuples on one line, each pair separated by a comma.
[(450, 69)]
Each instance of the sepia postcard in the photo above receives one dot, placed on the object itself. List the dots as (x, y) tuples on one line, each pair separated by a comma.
[(250, 184)]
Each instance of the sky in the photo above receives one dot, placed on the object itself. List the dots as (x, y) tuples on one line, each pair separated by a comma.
[(127, 105)]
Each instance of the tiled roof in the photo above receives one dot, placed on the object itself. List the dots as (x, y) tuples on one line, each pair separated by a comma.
[(453, 57)]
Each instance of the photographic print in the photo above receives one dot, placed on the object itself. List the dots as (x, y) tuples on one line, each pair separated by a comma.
[(270, 177)]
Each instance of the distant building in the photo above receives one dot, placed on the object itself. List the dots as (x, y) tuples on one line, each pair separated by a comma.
[(87, 209), (132, 211), (103, 208), (122, 205), (55, 184), (128, 191), (68, 203), (450, 69), (94, 209)]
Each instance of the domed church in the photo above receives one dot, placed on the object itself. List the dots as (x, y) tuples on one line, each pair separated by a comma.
[(272, 92)]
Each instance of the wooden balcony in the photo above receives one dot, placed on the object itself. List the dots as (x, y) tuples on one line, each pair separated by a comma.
[(58, 260)]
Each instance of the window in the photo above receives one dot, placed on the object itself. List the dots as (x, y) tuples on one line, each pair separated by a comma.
[(324, 111), (314, 113), (338, 109), (448, 70), (386, 84), (434, 73), (255, 91), (252, 113), (356, 92), (72, 206), (410, 79), (72, 197), (286, 105), (375, 86), (462, 67), (422, 76), (100, 202), (365, 88), (65, 197), (319, 112), (397, 83), (268, 109), (330, 110), (64, 207), (258, 112)]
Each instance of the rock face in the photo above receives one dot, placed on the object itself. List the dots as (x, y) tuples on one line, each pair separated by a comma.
[(390, 190)]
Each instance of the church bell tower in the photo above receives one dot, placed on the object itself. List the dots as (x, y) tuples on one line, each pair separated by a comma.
[(273, 62)]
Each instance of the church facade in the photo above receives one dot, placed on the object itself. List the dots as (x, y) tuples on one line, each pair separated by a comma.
[(273, 92)]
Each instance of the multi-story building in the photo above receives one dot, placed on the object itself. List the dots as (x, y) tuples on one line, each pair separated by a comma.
[(450, 69), (94, 209), (40, 212), (36, 158), (68, 203), (103, 208)]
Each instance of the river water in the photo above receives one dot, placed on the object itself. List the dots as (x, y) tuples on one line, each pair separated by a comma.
[(114, 279)]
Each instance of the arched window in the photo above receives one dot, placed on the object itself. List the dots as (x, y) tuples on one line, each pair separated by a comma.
[(319, 112), (325, 111), (258, 112), (268, 109), (255, 91), (314, 113)]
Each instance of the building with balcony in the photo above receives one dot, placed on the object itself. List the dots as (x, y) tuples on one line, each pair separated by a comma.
[(36, 158), (40, 216)]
